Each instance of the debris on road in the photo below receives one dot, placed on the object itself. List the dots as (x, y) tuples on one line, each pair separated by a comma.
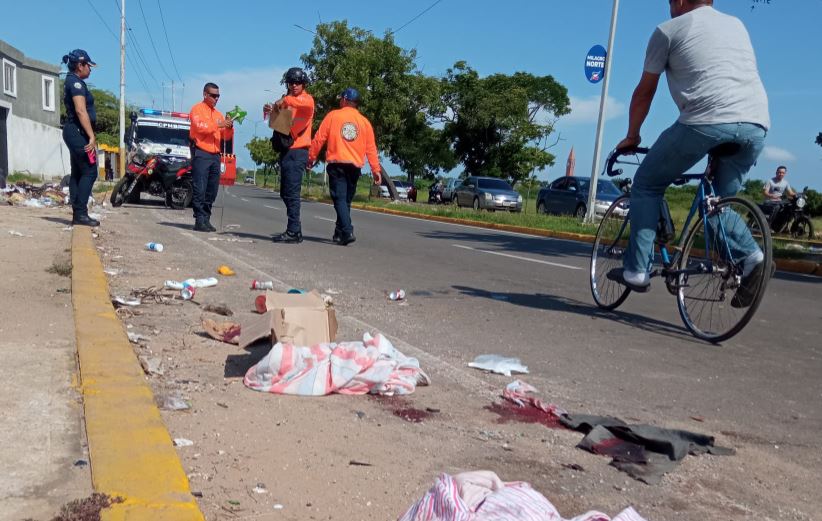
[(231, 239), (498, 364), (188, 291), (483, 495), (228, 332), (355, 463), (302, 319), (15, 233), (136, 338), (152, 365), (219, 309), (173, 402), (522, 394), (154, 246), (397, 295), (126, 301), (372, 366), (260, 284), (182, 442), (225, 270)]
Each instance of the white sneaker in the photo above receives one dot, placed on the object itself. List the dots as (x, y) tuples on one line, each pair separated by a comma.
[(749, 263), (636, 278)]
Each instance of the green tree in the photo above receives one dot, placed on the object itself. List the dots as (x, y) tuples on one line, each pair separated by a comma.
[(752, 189), (107, 106), (396, 97), (500, 125), (819, 139), (263, 155)]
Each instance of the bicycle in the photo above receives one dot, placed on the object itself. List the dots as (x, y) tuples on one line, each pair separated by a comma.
[(703, 271)]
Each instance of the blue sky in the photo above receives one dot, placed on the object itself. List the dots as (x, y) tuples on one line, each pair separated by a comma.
[(246, 48)]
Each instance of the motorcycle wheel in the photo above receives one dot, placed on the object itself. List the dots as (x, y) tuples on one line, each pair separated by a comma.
[(180, 195), (123, 191), (802, 228)]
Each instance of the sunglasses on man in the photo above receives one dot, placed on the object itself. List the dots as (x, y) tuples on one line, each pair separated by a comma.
[(211, 95)]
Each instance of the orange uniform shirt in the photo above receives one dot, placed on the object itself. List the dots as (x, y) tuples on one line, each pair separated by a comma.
[(204, 130), (350, 138), (302, 107)]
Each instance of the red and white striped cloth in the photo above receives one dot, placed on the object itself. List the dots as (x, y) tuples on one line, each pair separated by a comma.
[(482, 496), (521, 394), (371, 366)]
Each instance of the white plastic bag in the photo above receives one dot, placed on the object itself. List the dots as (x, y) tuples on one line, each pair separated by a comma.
[(498, 364)]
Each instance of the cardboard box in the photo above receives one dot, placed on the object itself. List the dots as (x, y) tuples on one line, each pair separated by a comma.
[(281, 120), (301, 319)]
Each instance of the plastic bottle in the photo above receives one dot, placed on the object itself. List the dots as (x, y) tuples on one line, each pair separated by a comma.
[(188, 291), (154, 246), (202, 283), (173, 284), (397, 295), (259, 284)]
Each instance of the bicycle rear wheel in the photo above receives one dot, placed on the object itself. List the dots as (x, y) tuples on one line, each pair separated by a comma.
[(609, 248), (710, 295)]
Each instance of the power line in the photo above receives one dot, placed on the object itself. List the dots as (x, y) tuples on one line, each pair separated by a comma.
[(162, 19), (140, 56), (103, 21), (151, 40), (413, 19)]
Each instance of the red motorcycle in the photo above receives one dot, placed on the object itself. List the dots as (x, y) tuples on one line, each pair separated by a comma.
[(160, 175)]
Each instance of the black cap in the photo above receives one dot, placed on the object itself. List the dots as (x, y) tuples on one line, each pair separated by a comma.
[(80, 56)]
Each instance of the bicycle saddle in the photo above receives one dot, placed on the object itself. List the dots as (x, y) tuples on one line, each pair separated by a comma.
[(725, 149)]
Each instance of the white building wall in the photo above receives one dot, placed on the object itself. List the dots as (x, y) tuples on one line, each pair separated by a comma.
[(37, 148)]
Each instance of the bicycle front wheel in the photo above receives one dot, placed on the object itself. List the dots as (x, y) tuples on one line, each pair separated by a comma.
[(607, 253), (721, 284)]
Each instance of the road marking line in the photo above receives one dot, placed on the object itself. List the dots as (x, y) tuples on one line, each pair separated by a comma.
[(325, 219), (558, 265), (272, 207), (243, 199)]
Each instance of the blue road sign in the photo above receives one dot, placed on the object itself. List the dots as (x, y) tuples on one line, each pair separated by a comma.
[(595, 64)]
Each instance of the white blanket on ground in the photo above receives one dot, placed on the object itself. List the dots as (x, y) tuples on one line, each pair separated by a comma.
[(482, 496), (371, 366)]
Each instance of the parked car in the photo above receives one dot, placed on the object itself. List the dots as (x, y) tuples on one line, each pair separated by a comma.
[(402, 191), (450, 186), (569, 196), (249, 180), (410, 190), (487, 193)]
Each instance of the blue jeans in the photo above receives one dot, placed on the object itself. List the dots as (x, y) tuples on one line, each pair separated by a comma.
[(83, 173), (205, 179), (292, 167), (678, 149), (342, 183)]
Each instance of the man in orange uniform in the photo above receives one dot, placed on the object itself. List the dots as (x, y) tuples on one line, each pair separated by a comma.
[(350, 139), (208, 127), (293, 162)]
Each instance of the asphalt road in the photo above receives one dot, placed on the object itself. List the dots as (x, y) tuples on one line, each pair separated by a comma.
[(473, 291)]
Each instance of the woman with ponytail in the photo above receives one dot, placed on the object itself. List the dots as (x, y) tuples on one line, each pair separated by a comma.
[(78, 134)]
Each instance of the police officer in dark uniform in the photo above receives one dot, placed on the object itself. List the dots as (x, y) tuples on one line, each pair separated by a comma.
[(78, 134)]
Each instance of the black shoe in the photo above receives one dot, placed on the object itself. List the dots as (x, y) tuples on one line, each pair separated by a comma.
[(345, 240), (617, 275), (210, 226), (336, 237), (84, 220), (749, 286), (288, 238), (200, 226)]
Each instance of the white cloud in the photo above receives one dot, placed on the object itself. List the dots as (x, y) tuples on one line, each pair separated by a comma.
[(586, 110), (778, 154)]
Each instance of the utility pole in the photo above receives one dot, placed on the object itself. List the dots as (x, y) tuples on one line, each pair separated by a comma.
[(122, 165), (590, 214), (172, 96)]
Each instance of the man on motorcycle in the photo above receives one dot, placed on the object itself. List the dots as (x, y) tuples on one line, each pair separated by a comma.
[(775, 189)]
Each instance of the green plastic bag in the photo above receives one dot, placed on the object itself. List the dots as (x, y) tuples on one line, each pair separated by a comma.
[(237, 114)]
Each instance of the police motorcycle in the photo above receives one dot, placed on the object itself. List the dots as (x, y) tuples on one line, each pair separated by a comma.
[(790, 217), (159, 174), (435, 193)]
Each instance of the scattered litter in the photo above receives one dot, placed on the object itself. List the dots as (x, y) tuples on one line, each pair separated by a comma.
[(233, 502), (231, 226), (360, 414), (173, 402), (127, 301), (355, 463), (62, 290), (15, 233), (68, 228), (521, 394), (278, 506), (260, 304), (152, 365), (196, 493), (231, 239), (372, 366), (220, 309), (483, 495), (397, 295), (33, 203), (194, 283), (97, 217), (154, 246), (260, 489), (260, 284), (136, 338), (699, 419), (228, 332), (223, 405), (112, 272), (188, 291), (296, 291), (573, 466), (498, 364), (432, 410), (332, 292), (225, 270), (182, 442), (80, 463)]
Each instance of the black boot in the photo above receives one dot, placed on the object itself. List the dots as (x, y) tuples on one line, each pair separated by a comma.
[(200, 226), (84, 220), (336, 237), (288, 238), (210, 226)]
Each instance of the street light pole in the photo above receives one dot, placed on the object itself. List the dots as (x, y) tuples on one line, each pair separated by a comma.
[(122, 166), (609, 58)]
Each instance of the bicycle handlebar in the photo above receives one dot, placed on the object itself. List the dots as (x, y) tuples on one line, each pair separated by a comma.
[(616, 154)]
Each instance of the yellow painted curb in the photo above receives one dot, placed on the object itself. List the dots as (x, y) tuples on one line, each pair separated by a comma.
[(131, 452)]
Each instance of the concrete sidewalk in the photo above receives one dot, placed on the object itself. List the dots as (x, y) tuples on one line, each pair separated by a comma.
[(42, 440)]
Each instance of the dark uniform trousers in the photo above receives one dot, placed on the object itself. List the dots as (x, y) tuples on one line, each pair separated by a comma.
[(83, 173), (342, 183), (292, 167), (205, 177)]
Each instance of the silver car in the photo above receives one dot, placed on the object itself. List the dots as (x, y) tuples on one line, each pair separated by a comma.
[(450, 188), (487, 193)]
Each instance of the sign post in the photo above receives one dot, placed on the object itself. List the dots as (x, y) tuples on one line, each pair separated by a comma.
[(592, 190)]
